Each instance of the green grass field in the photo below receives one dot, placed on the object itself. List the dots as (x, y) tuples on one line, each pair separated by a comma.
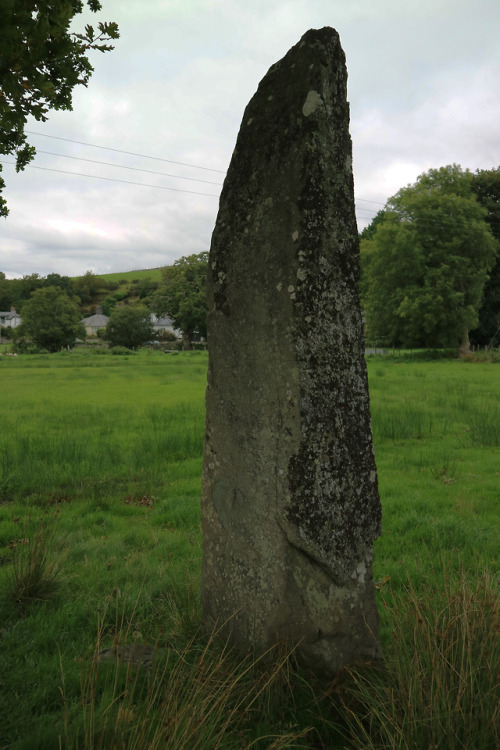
[(100, 543)]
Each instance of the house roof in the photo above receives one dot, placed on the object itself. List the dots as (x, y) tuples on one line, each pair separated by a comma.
[(162, 320), (96, 320)]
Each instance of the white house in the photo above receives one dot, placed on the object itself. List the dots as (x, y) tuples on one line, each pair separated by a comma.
[(98, 321), (95, 322), (10, 319), (164, 323)]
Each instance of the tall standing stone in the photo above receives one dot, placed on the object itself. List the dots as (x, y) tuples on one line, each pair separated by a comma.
[(290, 504)]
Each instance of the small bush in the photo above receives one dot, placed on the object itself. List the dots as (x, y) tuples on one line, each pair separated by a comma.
[(167, 336), (491, 355)]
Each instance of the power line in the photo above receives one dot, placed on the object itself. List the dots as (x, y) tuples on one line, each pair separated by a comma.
[(170, 161), (426, 222), (122, 166), (378, 203), (125, 182), (362, 208), (130, 153), (110, 179), (445, 222), (145, 156), (131, 182)]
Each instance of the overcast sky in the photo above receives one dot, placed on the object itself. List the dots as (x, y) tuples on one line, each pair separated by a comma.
[(424, 90)]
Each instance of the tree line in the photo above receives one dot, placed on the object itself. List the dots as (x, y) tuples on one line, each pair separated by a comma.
[(430, 276), (430, 270), (53, 307), (430, 266)]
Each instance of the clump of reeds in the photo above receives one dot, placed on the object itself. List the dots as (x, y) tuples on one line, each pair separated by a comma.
[(34, 576), (178, 693), (440, 685)]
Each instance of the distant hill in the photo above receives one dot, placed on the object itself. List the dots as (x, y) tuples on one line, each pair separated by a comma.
[(105, 290), (123, 287), (130, 276)]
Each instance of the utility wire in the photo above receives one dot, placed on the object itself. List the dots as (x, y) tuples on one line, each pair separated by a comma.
[(184, 164), (110, 179), (122, 166), (127, 182), (426, 222), (378, 203), (145, 156), (130, 182), (446, 222), (130, 153)]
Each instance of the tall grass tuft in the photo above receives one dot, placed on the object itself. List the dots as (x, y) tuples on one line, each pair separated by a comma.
[(485, 426), (203, 697), (34, 576), (440, 688)]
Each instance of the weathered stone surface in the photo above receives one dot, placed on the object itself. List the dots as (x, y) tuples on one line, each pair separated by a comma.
[(290, 503)]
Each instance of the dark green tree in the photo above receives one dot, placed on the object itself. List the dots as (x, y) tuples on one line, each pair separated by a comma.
[(108, 305), (5, 295), (64, 282), (369, 231), (129, 326), (486, 186), (368, 234), (146, 288), (23, 288), (427, 263), (50, 319), (88, 287), (15, 292), (182, 296), (41, 62)]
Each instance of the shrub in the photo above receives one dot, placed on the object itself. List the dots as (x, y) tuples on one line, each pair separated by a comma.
[(129, 326)]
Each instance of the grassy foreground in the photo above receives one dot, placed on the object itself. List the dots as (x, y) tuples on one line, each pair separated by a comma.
[(100, 544)]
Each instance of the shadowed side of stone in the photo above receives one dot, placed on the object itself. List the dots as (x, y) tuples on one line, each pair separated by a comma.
[(290, 504)]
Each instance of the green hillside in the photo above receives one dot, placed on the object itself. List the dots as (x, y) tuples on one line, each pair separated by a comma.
[(130, 276), (110, 289)]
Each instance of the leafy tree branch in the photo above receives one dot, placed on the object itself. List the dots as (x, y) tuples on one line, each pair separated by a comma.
[(41, 62)]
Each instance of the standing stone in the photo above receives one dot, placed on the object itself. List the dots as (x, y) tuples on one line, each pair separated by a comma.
[(290, 504)]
